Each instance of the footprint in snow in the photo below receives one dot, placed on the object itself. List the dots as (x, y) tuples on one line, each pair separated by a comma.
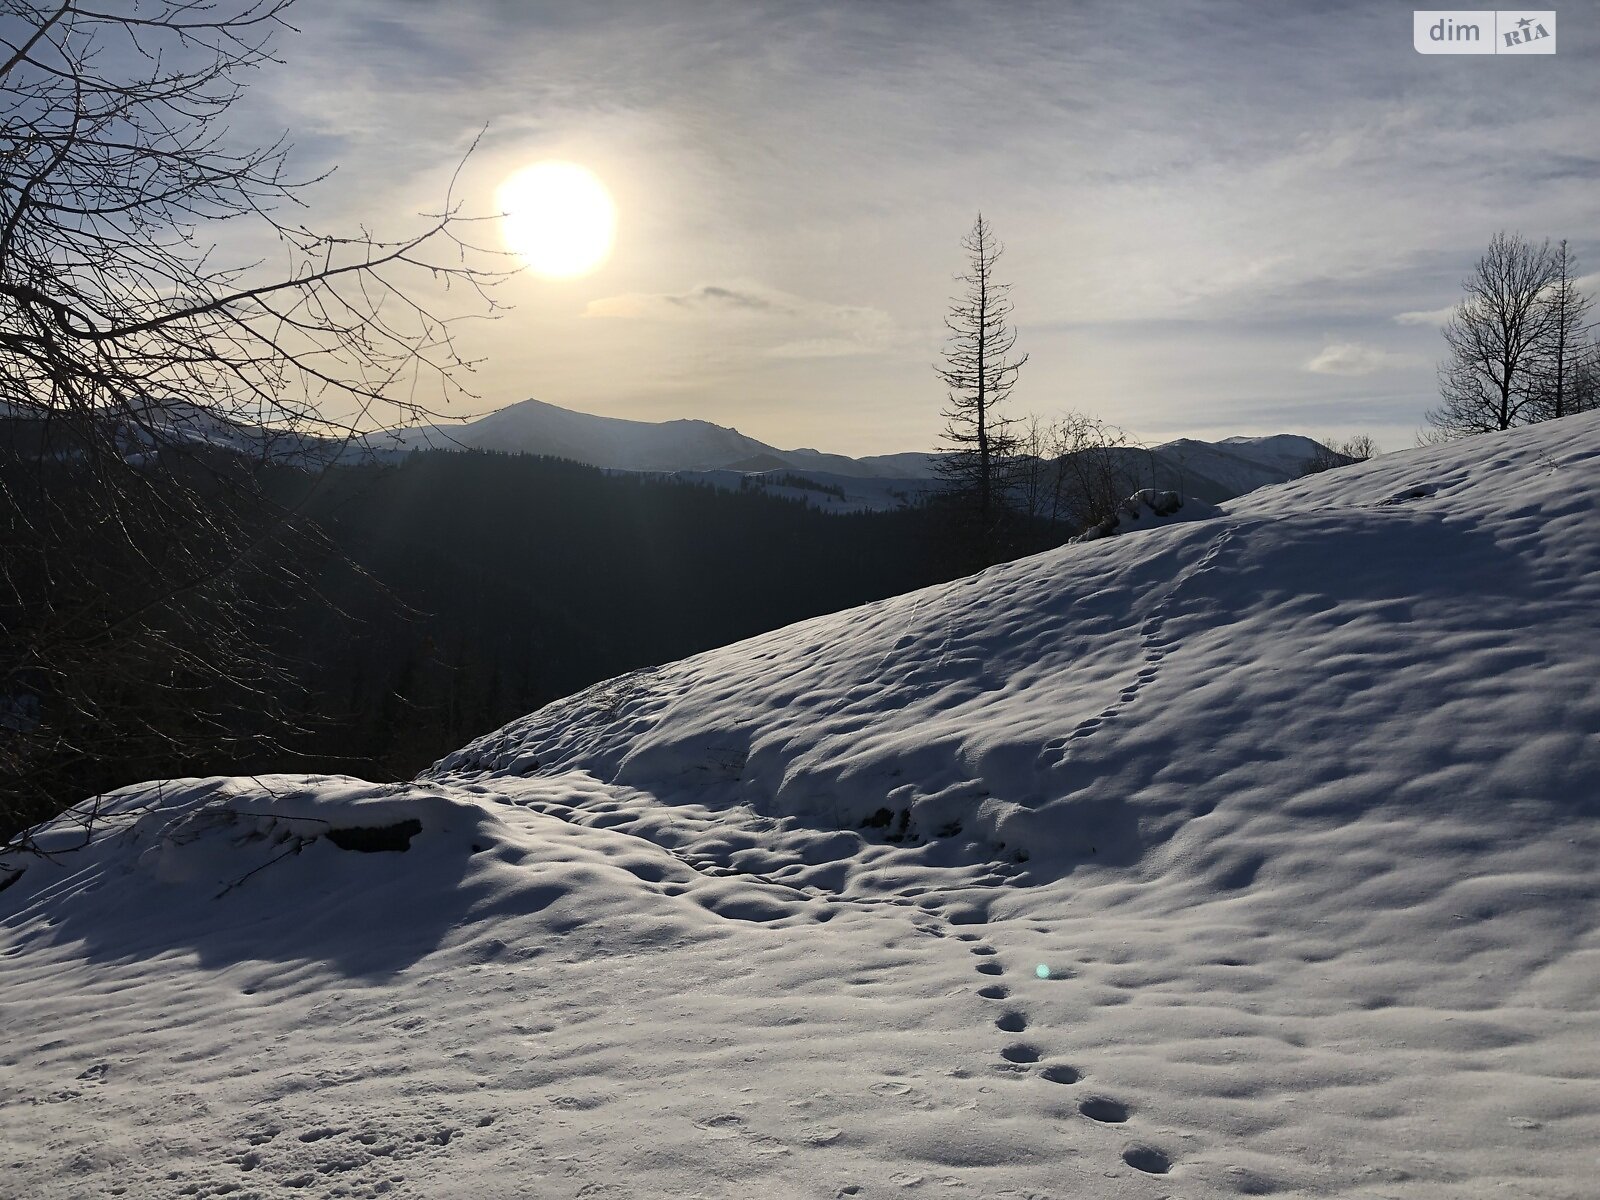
[(1147, 1159), (1020, 1052), (1012, 1022), (1060, 1073), (990, 968), (1419, 491), (995, 991), (1104, 1110), (967, 914), (724, 1125)]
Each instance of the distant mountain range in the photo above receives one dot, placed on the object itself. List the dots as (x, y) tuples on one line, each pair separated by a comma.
[(534, 427), (1218, 471), (724, 457), (703, 452)]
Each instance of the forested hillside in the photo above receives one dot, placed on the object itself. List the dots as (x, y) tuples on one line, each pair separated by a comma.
[(508, 581)]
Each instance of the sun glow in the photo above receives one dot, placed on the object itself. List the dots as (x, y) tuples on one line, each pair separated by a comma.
[(558, 218)]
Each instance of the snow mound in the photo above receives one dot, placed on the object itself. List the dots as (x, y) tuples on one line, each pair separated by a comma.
[(1146, 509), (363, 877)]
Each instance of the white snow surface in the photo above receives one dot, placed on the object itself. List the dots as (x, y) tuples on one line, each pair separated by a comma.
[(820, 489), (1252, 855)]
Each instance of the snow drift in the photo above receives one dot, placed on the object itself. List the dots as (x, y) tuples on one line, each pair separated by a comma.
[(1245, 855)]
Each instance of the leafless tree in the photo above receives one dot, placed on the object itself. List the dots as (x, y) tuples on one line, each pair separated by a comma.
[(1563, 377), (1585, 377), (1361, 447), (1075, 470), (1497, 336), (1036, 479), (980, 368), (142, 370), (1331, 453)]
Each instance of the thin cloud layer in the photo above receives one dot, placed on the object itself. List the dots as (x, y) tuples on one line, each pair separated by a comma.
[(1432, 318), (1355, 360), (784, 325)]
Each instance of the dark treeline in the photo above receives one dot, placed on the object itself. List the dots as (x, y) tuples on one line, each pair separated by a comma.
[(488, 584), (371, 618)]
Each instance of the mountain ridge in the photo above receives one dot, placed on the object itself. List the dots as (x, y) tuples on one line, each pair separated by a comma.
[(623, 443), (1210, 471)]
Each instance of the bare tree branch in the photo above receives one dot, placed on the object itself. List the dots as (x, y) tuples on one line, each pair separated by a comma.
[(150, 389)]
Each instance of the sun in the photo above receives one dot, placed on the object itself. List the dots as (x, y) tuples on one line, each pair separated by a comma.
[(558, 218)]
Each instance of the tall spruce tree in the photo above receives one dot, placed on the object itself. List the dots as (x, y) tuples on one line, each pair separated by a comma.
[(980, 368)]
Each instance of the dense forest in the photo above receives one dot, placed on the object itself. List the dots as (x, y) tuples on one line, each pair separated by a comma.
[(489, 584), (370, 617)]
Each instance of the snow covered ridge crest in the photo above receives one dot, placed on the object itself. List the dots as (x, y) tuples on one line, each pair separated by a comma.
[(1063, 706)]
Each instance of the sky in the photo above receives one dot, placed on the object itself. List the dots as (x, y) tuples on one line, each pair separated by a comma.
[(1220, 217)]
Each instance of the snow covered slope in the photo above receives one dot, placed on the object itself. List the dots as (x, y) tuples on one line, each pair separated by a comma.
[(1243, 856), (1221, 470), (821, 489)]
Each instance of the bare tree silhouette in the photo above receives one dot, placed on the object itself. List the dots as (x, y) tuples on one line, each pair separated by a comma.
[(1497, 336), (148, 382), (979, 372)]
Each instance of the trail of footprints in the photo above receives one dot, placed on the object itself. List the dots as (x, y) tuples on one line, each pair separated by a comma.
[(1154, 642), (1022, 1057)]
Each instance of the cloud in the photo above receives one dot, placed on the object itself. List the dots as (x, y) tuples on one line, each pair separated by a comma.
[(1352, 358), (705, 300), (805, 328), (837, 347), (720, 295), (1433, 317)]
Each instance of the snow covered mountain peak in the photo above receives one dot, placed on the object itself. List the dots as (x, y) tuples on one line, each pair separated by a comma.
[(681, 444)]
